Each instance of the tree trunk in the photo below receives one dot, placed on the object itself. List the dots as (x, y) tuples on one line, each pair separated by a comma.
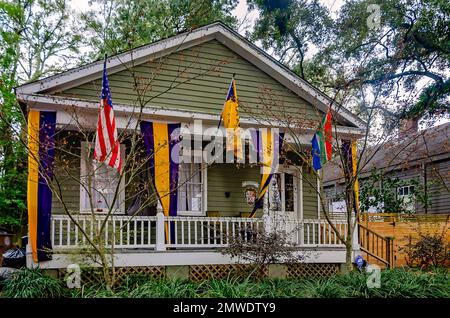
[(348, 256)]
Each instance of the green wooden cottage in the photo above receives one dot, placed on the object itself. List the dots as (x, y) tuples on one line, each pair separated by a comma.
[(185, 79)]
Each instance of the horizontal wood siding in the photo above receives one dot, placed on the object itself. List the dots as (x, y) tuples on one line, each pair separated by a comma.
[(438, 183), (309, 195), (66, 174), (197, 79), (438, 179), (228, 178)]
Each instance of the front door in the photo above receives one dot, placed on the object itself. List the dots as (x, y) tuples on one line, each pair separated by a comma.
[(283, 202)]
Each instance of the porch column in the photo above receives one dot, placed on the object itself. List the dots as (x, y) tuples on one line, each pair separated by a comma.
[(160, 239), (355, 239)]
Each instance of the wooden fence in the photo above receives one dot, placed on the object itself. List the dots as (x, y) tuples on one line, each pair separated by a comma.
[(404, 229)]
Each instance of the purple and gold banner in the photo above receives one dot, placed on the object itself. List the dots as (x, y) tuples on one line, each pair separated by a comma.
[(349, 154), (269, 145), (160, 140), (41, 145)]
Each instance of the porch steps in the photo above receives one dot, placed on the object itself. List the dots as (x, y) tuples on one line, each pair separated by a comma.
[(377, 246)]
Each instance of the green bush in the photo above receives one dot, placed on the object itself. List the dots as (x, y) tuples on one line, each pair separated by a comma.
[(33, 283), (231, 287)]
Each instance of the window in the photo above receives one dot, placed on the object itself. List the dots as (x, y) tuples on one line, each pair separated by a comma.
[(406, 194), (191, 185), (101, 181)]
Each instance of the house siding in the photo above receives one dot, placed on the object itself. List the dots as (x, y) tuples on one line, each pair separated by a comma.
[(197, 80), (310, 201), (438, 174), (228, 178), (67, 172)]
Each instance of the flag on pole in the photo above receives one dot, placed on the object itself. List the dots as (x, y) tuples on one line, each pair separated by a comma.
[(322, 142), (317, 165), (230, 117), (107, 145)]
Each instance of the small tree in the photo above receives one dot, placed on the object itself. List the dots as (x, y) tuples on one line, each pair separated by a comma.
[(262, 247)]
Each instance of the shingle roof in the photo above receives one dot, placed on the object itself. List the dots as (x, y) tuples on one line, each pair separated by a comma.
[(398, 154)]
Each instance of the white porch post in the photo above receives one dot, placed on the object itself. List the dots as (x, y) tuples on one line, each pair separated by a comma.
[(160, 239), (29, 261), (355, 239)]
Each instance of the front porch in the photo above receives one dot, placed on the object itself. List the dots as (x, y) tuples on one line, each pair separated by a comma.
[(141, 240)]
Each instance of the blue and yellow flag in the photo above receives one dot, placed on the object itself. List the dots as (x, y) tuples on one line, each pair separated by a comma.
[(230, 116)]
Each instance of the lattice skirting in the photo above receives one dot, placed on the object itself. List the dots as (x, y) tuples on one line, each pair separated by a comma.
[(311, 270), (216, 271), (92, 276)]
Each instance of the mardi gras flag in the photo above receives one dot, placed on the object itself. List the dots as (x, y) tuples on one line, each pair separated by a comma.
[(349, 154), (230, 117), (41, 146), (269, 144), (161, 143)]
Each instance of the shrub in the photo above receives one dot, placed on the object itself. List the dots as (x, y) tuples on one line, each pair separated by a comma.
[(33, 283), (231, 287), (396, 283), (429, 250)]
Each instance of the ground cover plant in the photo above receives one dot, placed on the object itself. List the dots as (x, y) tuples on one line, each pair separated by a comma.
[(396, 283)]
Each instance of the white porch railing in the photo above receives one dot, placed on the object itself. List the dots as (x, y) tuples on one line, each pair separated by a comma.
[(123, 231), (312, 232), (185, 232), (198, 232)]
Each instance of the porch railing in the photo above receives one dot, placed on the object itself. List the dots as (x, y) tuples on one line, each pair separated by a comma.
[(120, 231), (160, 232)]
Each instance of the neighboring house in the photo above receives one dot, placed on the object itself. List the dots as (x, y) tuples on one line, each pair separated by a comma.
[(419, 159), (214, 196)]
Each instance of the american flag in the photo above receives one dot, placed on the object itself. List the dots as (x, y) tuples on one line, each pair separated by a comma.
[(107, 146)]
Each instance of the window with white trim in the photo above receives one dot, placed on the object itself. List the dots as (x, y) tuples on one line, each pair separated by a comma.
[(100, 182), (191, 189), (406, 194)]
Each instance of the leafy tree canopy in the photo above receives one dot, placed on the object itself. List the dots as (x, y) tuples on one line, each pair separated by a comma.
[(128, 24), (400, 48)]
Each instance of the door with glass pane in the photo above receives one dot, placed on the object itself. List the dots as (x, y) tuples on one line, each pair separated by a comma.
[(283, 203)]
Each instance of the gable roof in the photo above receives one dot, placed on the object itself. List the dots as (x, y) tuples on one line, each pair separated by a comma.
[(432, 143), (218, 31)]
